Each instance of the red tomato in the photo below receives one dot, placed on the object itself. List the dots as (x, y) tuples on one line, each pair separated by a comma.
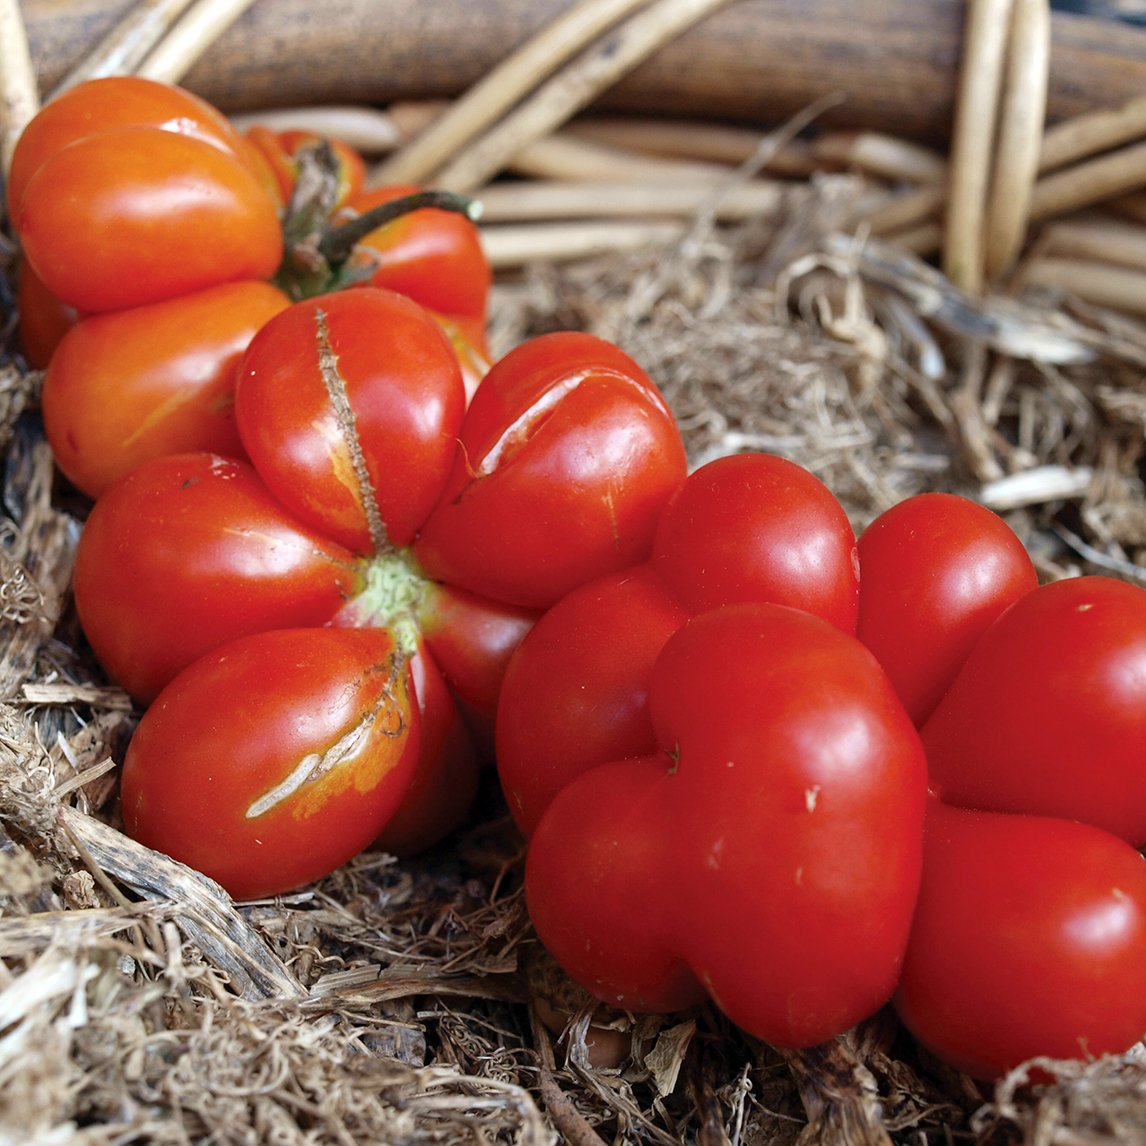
[(159, 379), (105, 104), (350, 406), (757, 527), (1048, 713), (290, 783), (937, 570), (435, 257), (565, 458), (134, 215), (1029, 940), (575, 692), (280, 151), (768, 855), (44, 320), (190, 551)]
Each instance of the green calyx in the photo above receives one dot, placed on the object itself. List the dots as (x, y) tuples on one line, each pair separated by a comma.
[(390, 599)]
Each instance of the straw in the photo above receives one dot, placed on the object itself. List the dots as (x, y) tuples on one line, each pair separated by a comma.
[(571, 89), (181, 48), (1020, 135), (19, 93), (980, 83), (502, 87)]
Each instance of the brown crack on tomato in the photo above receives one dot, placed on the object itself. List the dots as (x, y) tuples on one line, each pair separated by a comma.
[(387, 717), (347, 423)]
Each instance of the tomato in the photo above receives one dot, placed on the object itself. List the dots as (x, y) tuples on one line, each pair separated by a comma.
[(352, 409), (44, 320), (767, 855), (757, 527), (1029, 940), (159, 379), (189, 551), (135, 215), (743, 528), (104, 104), (575, 691), (937, 570), (281, 151), (568, 434), (380, 468), (1048, 713), (290, 783), (434, 256)]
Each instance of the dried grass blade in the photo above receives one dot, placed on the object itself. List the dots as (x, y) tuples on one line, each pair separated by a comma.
[(1117, 287), (206, 913), (490, 98), (972, 146), (1085, 135), (19, 92), (1093, 181), (572, 88)]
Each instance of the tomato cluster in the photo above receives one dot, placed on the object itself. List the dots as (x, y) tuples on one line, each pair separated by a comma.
[(157, 240), (804, 775)]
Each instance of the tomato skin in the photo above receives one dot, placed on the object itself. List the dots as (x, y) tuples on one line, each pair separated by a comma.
[(938, 570), (788, 796), (566, 433), (106, 103), (44, 320), (403, 386), (758, 527), (135, 215), (159, 379), (433, 256), (209, 799), (279, 152), (1048, 713), (190, 551), (575, 693), (1029, 940)]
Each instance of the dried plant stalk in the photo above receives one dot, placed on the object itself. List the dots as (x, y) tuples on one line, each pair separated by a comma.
[(19, 93), (501, 88), (128, 44), (1091, 182), (1085, 135), (571, 89), (972, 146), (1117, 287), (203, 23), (1097, 239), (515, 245), (1020, 136), (875, 153)]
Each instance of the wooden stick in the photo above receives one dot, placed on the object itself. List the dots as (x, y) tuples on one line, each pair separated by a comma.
[(1090, 182), (1085, 135), (179, 50), (1119, 288), (980, 81), (573, 88), (491, 97), (128, 43), (514, 245), (1020, 136), (19, 94)]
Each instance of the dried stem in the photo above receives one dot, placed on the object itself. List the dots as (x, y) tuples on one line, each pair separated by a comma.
[(1120, 288), (1090, 182), (1020, 135), (1085, 135), (516, 245), (204, 22), (980, 83), (571, 89), (19, 94), (502, 87), (128, 44)]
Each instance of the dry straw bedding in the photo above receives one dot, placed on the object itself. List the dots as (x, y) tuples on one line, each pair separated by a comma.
[(397, 1002)]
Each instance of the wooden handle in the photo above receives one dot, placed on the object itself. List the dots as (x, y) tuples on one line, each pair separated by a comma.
[(756, 60)]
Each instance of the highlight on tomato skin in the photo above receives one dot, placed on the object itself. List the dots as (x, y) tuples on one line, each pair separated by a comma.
[(265, 781), (1028, 942)]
